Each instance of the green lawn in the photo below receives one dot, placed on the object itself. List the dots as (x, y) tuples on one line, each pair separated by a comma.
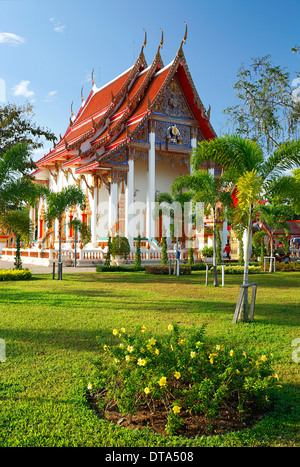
[(52, 329)]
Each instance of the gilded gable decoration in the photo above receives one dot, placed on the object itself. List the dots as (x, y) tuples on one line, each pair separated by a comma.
[(173, 102)]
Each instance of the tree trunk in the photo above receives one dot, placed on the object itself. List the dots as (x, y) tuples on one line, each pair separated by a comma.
[(18, 259), (244, 314), (271, 253), (216, 284)]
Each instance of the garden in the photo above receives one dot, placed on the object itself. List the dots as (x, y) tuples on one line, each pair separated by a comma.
[(136, 359)]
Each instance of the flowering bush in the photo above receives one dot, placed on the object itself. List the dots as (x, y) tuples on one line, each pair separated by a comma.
[(182, 374)]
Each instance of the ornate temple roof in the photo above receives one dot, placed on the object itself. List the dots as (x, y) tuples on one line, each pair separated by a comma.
[(112, 115)]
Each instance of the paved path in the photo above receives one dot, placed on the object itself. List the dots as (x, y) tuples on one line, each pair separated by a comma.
[(36, 269)]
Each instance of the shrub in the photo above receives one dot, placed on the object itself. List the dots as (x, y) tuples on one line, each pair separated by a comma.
[(105, 268), (207, 251), (182, 374), (15, 274), (288, 267), (238, 269), (120, 247), (165, 270)]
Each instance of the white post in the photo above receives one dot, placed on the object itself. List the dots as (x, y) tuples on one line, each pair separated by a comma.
[(129, 200), (151, 184)]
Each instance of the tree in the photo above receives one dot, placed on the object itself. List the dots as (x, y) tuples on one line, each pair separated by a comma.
[(252, 174), (164, 253), (266, 111), (19, 223), (273, 216), (17, 128), (60, 202), (108, 254), (137, 260), (204, 187)]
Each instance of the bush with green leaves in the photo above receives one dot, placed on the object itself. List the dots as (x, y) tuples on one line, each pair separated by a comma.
[(120, 247), (15, 274), (182, 374), (236, 269)]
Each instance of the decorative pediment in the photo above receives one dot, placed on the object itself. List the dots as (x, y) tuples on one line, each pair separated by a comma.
[(173, 102)]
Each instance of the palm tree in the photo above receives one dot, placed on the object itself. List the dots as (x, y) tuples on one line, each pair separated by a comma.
[(19, 223), (60, 202), (204, 187), (252, 173), (272, 216)]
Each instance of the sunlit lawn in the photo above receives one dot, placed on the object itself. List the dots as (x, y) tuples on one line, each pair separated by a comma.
[(52, 329)]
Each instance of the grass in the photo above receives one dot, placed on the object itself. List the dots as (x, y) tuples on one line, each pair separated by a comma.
[(52, 331)]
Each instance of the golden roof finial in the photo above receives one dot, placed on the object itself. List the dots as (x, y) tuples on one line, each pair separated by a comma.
[(185, 34), (72, 113), (92, 78), (82, 99)]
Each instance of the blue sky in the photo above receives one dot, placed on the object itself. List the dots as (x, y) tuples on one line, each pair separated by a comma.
[(49, 48)]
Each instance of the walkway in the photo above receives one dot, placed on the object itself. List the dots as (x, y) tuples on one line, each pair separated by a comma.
[(36, 269)]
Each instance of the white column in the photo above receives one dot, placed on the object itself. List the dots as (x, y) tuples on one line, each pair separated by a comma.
[(151, 184), (94, 205), (129, 193), (113, 205)]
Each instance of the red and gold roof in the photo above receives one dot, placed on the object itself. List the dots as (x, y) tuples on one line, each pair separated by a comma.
[(111, 116)]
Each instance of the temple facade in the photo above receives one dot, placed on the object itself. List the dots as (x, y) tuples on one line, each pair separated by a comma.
[(127, 143)]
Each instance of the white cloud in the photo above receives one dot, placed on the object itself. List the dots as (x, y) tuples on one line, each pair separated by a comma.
[(21, 89), (50, 96), (59, 27), (11, 39)]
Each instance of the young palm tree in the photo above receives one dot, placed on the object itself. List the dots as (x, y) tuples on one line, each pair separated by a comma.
[(60, 202), (272, 216), (204, 187), (19, 223), (251, 171)]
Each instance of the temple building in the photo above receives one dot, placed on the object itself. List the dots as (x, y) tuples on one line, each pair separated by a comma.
[(127, 143)]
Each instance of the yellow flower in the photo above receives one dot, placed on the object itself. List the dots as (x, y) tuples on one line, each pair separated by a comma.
[(211, 360), (143, 328), (141, 362), (244, 354), (162, 381), (117, 360), (231, 353), (147, 390), (123, 329), (170, 327), (130, 348), (176, 409), (127, 358), (177, 374), (89, 386), (152, 341), (218, 347), (105, 347), (263, 358), (121, 346), (171, 347), (181, 341), (275, 376), (193, 354), (115, 332), (156, 351)]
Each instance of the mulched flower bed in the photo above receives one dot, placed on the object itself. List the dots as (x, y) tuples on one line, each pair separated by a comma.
[(228, 419)]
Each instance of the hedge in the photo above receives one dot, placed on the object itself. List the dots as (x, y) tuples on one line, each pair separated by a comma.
[(288, 267), (238, 269), (165, 270), (15, 274), (116, 268)]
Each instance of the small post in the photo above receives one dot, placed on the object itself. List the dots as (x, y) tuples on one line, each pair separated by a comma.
[(223, 274), (170, 266), (53, 270)]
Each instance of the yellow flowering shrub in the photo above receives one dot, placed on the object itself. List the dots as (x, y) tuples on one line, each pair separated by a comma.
[(180, 371)]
